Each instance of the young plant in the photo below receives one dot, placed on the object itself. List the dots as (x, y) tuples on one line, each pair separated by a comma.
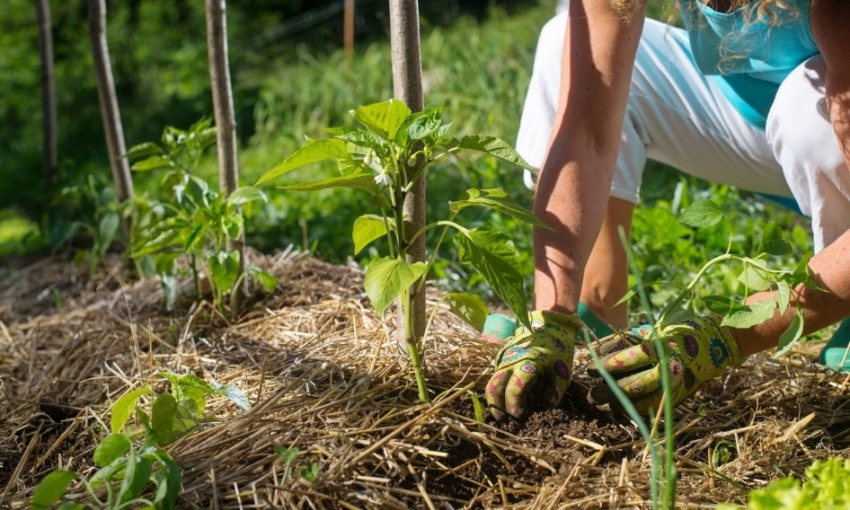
[(383, 157), (195, 222)]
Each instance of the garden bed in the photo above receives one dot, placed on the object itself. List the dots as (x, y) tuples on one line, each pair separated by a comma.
[(324, 375)]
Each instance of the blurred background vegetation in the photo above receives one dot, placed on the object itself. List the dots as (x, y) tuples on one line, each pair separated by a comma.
[(291, 79)]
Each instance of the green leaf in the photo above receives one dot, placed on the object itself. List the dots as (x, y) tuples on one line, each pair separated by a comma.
[(163, 417), (493, 146), (288, 454), (359, 180), (136, 477), (701, 214), (167, 480), (123, 408), (790, 336), (312, 152), (366, 229), (144, 150), (497, 199), (310, 472), (383, 118), (107, 227), (746, 316), (386, 278), (236, 396), (194, 238), (478, 409), (783, 296), (421, 125), (112, 447), (152, 163), (718, 304), (468, 307), (360, 138), (267, 280), (51, 488), (224, 269), (246, 194), (753, 276), (773, 240), (494, 255)]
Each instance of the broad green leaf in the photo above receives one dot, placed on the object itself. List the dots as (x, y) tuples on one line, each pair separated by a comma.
[(753, 276), (224, 269), (310, 472), (497, 199), (386, 278), (495, 147), (109, 473), (70, 505), (360, 138), (144, 150), (152, 163), (163, 416), (468, 307), (718, 304), (495, 256), (783, 296), (366, 229), (123, 408), (112, 447), (267, 280), (790, 336), (107, 228), (773, 240), (746, 316), (312, 152), (246, 194), (236, 396), (421, 125), (362, 181), (192, 387), (51, 488), (167, 480), (383, 118), (701, 214), (136, 478), (194, 238)]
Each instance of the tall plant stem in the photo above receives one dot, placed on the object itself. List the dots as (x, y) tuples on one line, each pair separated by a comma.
[(413, 349)]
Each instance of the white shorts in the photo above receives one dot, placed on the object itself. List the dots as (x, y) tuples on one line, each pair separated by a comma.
[(678, 116)]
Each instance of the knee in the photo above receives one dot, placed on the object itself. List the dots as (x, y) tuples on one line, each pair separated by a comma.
[(799, 127)]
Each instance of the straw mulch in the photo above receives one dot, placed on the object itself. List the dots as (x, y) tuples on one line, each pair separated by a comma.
[(324, 375)]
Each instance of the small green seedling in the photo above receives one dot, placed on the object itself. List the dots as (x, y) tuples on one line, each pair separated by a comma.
[(384, 157), (195, 223)]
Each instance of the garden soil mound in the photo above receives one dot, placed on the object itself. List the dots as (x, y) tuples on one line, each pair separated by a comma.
[(324, 375)]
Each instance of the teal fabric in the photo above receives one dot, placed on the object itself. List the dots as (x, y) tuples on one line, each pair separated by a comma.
[(749, 57)]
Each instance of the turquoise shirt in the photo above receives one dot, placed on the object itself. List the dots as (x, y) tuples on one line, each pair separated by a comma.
[(749, 60)]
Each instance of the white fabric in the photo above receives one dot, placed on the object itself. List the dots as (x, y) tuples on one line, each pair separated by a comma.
[(680, 117)]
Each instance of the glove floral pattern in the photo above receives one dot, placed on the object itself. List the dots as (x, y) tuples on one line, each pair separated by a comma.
[(534, 367), (697, 350)]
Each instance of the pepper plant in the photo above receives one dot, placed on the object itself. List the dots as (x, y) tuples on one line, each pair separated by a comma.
[(383, 156), (195, 222)]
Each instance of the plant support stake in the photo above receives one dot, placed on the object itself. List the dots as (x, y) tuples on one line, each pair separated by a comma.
[(48, 92), (225, 120)]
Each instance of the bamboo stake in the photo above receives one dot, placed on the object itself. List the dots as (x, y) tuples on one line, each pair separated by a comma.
[(48, 92)]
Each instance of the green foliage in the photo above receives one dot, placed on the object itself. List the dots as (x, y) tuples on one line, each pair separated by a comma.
[(195, 221), (827, 487), (384, 158), (309, 472), (127, 471)]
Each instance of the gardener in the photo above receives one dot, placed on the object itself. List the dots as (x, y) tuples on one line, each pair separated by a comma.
[(754, 94)]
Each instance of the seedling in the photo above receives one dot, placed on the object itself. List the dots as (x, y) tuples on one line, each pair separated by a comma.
[(383, 157)]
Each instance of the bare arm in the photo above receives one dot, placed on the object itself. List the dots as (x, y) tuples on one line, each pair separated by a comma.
[(575, 180), (831, 267)]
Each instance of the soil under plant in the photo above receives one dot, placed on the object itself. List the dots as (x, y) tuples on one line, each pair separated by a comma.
[(324, 375)]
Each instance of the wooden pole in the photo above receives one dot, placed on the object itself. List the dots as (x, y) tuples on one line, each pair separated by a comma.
[(48, 93), (225, 119), (407, 86), (348, 28), (110, 113)]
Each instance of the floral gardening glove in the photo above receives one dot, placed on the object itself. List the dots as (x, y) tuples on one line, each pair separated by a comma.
[(698, 350), (534, 365)]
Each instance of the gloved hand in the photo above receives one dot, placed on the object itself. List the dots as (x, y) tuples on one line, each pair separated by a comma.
[(697, 350), (534, 365)]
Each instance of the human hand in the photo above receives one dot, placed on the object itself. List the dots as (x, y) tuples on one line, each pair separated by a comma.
[(534, 365), (697, 350)]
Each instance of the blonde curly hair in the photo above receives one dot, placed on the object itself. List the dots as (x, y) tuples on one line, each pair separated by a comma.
[(757, 9)]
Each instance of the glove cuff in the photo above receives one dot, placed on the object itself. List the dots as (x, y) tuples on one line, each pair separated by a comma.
[(540, 319)]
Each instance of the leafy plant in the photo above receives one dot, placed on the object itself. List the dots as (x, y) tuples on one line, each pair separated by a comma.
[(827, 487), (384, 157), (309, 472), (195, 222), (126, 471)]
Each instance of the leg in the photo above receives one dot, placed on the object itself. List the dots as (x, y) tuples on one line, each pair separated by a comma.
[(804, 143)]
